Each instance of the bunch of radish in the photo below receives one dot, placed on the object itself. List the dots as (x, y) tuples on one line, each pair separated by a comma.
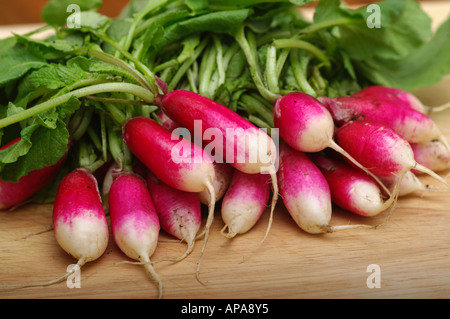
[(179, 133)]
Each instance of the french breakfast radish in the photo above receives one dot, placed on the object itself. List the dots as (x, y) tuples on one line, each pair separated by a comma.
[(235, 139), (179, 212), (306, 193), (414, 126), (134, 222), (79, 221), (178, 162), (307, 126), (380, 148), (432, 154), (402, 97), (351, 188), (15, 193), (244, 202)]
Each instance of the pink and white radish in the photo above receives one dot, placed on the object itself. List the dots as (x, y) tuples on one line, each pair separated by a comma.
[(402, 97), (409, 184), (306, 192), (16, 193), (432, 154), (236, 140), (176, 161), (307, 126), (224, 173), (414, 126), (134, 222), (380, 148), (79, 221), (244, 202), (351, 188), (179, 212)]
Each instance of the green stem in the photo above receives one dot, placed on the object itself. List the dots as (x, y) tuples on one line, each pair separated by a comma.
[(186, 65), (304, 45), (300, 74), (281, 60), (108, 58), (271, 69), (148, 75), (254, 106), (151, 5), (206, 70), (325, 24), (254, 66), (90, 90)]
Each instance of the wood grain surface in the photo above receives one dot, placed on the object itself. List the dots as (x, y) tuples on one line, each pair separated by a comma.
[(412, 250)]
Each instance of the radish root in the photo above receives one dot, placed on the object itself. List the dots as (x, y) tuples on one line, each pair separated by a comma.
[(211, 209), (80, 263)]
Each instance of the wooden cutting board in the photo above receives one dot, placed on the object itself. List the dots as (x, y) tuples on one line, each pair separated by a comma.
[(410, 253)]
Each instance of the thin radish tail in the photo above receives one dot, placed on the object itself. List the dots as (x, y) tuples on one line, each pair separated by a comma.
[(80, 263), (47, 229), (392, 202), (434, 109), (275, 191), (189, 249), (152, 273), (340, 150), (209, 220), (430, 172)]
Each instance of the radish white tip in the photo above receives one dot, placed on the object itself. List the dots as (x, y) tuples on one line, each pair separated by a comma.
[(430, 172)]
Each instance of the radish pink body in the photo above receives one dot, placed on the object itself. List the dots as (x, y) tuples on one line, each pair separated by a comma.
[(305, 191), (303, 122), (379, 148), (134, 222), (235, 140), (177, 162), (402, 97), (179, 212), (14, 193), (412, 125), (351, 188), (244, 202), (79, 220)]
